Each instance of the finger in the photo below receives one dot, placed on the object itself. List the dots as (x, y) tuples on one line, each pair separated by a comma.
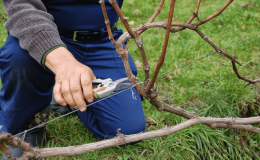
[(76, 91), (87, 87), (83, 109), (93, 76), (65, 91), (57, 94)]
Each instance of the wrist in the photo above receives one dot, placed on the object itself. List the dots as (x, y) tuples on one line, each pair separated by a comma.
[(58, 56), (46, 53)]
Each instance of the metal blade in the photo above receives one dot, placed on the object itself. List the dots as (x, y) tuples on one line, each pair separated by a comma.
[(123, 86), (121, 80)]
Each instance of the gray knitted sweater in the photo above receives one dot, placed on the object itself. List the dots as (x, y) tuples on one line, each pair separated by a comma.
[(32, 25)]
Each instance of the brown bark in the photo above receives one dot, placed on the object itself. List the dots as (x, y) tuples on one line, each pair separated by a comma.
[(111, 37), (213, 15), (8, 154), (194, 15), (158, 10), (121, 139), (165, 44), (122, 18)]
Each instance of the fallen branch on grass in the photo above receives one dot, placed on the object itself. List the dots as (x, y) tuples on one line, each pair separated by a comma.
[(120, 139), (147, 90)]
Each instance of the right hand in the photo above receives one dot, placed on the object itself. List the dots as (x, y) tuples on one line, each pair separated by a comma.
[(71, 78)]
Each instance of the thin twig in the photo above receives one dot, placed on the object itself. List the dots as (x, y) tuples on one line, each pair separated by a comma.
[(194, 15), (213, 15), (166, 39), (122, 17), (157, 11), (241, 77), (155, 14), (111, 37), (146, 67), (217, 49)]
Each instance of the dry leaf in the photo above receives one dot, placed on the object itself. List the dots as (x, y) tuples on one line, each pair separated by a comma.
[(179, 71), (132, 22), (149, 120), (169, 78), (138, 64), (136, 12), (245, 5)]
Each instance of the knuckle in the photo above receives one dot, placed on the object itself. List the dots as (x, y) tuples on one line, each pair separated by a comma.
[(88, 95), (81, 104), (60, 101), (86, 82), (55, 92), (65, 91), (73, 104), (75, 89)]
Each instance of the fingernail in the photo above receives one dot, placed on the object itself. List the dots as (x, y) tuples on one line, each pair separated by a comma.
[(90, 100), (83, 109), (64, 104)]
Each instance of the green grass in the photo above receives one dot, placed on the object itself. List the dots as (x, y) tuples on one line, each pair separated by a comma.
[(208, 87)]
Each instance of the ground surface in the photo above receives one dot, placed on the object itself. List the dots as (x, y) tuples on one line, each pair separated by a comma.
[(208, 87)]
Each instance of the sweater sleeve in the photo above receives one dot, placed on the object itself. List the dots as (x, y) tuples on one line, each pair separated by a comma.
[(32, 25)]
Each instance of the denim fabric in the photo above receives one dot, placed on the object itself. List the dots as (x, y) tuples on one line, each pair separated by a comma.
[(27, 88)]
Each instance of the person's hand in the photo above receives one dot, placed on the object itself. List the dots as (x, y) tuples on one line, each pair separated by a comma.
[(71, 78)]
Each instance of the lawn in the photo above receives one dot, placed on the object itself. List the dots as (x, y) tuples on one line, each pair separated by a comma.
[(208, 87)]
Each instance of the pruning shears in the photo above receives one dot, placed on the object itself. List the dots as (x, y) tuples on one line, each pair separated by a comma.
[(105, 87)]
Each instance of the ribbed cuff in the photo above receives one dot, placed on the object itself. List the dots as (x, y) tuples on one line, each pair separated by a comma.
[(46, 53), (42, 43)]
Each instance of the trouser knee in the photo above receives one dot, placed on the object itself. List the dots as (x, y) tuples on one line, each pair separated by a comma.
[(26, 86)]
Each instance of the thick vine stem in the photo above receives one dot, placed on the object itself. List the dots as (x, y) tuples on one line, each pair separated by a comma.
[(8, 154), (4, 136), (129, 73), (121, 139), (165, 44), (15, 143), (161, 106), (18, 143)]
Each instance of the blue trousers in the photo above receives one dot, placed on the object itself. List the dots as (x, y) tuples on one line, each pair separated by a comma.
[(27, 88)]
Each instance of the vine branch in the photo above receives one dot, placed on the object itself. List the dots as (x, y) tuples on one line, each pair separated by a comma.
[(120, 139), (165, 44)]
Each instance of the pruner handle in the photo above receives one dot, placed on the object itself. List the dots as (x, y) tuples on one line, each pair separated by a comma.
[(97, 90)]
